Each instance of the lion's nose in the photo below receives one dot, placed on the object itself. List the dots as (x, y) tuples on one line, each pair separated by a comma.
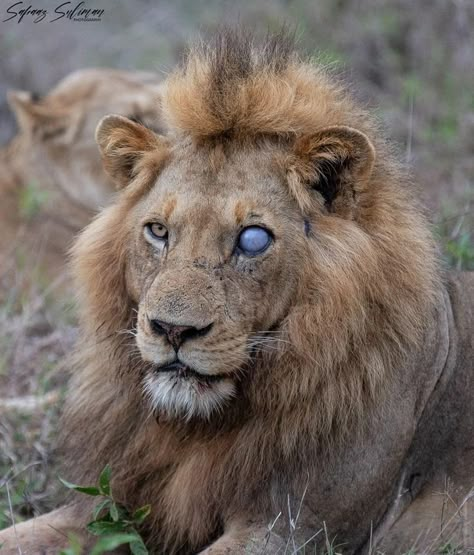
[(177, 335)]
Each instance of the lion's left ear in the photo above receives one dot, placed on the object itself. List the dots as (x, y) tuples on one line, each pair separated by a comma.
[(123, 143), (335, 162)]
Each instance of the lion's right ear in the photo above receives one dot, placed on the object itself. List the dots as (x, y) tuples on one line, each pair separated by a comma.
[(123, 144)]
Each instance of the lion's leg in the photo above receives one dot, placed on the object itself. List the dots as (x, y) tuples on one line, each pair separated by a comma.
[(45, 535), (246, 539)]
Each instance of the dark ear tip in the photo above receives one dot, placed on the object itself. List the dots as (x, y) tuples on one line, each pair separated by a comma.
[(106, 124), (113, 121), (360, 147), (342, 159), (359, 139)]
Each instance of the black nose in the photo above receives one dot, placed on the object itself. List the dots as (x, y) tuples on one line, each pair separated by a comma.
[(177, 335)]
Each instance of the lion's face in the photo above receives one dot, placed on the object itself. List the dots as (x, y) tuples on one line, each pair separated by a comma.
[(217, 242), (213, 267)]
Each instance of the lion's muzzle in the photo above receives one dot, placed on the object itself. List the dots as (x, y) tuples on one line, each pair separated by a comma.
[(177, 334)]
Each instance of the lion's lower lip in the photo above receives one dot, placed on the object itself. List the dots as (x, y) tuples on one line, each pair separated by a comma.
[(185, 372)]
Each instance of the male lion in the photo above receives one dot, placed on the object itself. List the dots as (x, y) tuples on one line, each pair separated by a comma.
[(52, 180), (265, 328)]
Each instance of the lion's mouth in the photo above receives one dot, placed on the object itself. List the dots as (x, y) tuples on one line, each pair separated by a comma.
[(183, 372)]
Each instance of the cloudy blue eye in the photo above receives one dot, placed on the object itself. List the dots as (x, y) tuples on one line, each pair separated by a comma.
[(254, 240)]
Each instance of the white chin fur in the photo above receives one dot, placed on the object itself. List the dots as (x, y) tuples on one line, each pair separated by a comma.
[(186, 397)]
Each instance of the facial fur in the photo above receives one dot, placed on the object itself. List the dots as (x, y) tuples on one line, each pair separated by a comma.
[(199, 277)]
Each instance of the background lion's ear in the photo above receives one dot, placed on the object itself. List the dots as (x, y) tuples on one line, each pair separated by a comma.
[(56, 125), (122, 144), (335, 162), (21, 104)]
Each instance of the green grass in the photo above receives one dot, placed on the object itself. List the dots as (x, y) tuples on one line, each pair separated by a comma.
[(455, 231)]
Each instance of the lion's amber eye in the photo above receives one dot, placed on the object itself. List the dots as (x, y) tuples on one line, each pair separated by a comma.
[(158, 231)]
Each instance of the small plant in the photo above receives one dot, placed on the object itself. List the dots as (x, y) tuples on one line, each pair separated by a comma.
[(31, 200), (460, 251), (111, 521), (455, 231), (449, 549)]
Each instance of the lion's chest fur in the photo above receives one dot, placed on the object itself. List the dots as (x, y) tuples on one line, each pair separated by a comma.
[(194, 488), (190, 479), (182, 480)]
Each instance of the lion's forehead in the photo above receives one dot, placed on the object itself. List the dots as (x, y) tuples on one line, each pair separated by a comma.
[(240, 185)]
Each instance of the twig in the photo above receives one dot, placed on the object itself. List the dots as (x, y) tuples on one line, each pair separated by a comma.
[(29, 403), (13, 518), (8, 479), (410, 128), (456, 513)]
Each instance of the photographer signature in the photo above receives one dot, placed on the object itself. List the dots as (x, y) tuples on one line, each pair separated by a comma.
[(19, 11)]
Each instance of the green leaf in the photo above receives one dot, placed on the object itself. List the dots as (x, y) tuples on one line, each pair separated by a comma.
[(100, 507), (107, 543), (140, 514), (137, 547), (74, 546), (102, 527), (88, 490), (114, 513), (104, 480)]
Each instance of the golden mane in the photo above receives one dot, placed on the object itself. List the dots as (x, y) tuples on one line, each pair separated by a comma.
[(231, 86), (368, 290)]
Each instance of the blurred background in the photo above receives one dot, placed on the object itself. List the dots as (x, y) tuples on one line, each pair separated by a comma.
[(410, 61)]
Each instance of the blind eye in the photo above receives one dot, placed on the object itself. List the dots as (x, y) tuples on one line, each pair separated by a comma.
[(254, 240)]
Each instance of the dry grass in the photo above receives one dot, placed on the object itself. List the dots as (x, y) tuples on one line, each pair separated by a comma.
[(36, 334)]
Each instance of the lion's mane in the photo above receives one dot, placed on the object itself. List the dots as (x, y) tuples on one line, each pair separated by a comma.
[(368, 291)]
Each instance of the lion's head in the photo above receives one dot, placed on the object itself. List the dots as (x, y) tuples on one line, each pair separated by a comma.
[(265, 255), (55, 147)]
